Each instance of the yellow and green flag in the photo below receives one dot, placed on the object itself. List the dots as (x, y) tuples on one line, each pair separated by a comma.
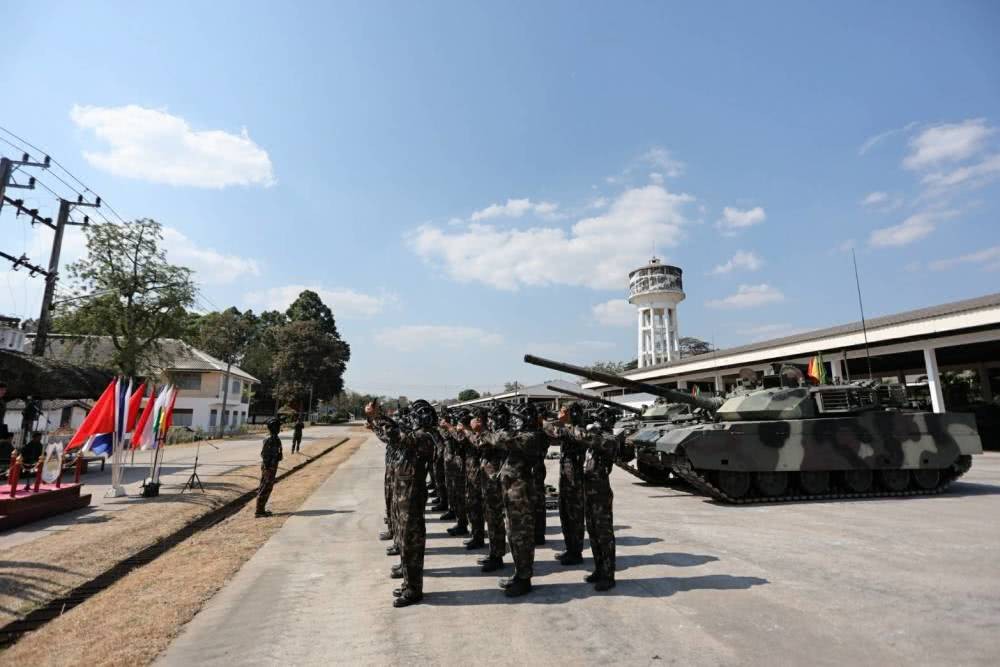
[(817, 370)]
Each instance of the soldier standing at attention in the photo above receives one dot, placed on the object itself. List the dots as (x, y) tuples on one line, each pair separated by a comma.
[(521, 443), (270, 455), (416, 448), (380, 426), (538, 477), (601, 449), (297, 434), (568, 432), (455, 475), (473, 483), (491, 461), (438, 475)]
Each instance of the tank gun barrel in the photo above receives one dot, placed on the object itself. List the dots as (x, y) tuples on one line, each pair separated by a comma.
[(595, 399), (672, 395)]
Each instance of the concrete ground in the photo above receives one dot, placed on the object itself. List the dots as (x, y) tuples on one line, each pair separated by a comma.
[(215, 458), (893, 581)]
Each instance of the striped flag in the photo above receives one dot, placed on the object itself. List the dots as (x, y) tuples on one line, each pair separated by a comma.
[(144, 427), (817, 370), (100, 420)]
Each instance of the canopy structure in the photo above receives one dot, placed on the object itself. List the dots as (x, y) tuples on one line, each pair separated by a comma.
[(46, 379)]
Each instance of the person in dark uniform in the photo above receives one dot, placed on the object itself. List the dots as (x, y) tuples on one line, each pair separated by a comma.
[(297, 434), (473, 482), (32, 451), (568, 431), (380, 425), (270, 455), (602, 447)]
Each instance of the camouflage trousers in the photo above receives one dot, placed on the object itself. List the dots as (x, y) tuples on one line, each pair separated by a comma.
[(493, 508), (267, 475), (600, 522), (571, 502), (454, 470), (538, 477), (409, 498), (388, 489), (519, 512), (440, 479), (474, 496)]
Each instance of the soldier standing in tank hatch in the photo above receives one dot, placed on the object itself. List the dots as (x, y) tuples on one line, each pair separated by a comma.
[(473, 482), (270, 455), (568, 432), (491, 461), (521, 444), (602, 447), (416, 448)]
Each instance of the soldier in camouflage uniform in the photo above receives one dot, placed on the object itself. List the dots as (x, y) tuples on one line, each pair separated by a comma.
[(568, 431), (440, 483), (455, 475), (491, 461), (601, 449), (270, 455), (415, 449), (538, 477), (522, 444), (473, 481), (379, 425)]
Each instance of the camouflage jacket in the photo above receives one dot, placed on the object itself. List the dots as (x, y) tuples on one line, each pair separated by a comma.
[(522, 449), (601, 450), (571, 439), (456, 443), (270, 453)]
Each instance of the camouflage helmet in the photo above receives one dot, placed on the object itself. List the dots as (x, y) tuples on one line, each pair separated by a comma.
[(425, 414), (577, 413), (499, 417), (525, 417), (463, 417)]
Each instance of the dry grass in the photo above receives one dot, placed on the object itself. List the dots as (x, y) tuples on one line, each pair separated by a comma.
[(140, 614), (37, 572)]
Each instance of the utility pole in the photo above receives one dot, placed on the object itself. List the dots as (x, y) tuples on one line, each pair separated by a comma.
[(45, 317), (7, 169)]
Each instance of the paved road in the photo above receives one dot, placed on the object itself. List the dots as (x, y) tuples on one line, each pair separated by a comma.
[(215, 458), (866, 582)]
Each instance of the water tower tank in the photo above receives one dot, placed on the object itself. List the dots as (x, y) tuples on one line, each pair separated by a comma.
[(656, 289)]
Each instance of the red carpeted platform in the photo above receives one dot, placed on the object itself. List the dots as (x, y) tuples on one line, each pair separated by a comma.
[(28, 506)]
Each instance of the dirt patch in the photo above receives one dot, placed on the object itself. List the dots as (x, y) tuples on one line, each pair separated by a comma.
[(42, 570), (142, 613)]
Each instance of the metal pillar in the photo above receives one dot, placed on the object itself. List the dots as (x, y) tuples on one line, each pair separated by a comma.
[(933, 379)]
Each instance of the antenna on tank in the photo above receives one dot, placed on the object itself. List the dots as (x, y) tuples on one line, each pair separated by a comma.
[(861, 307)]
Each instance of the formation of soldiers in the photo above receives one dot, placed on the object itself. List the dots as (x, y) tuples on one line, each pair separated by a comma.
[(486, 471)]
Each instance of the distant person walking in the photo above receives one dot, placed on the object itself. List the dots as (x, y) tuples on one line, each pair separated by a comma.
[(297, 434)]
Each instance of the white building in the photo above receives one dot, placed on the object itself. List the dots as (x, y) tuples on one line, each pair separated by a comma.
[(655, 290)]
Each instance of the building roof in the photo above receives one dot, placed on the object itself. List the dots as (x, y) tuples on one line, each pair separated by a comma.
[(539, 391), (98, 350)]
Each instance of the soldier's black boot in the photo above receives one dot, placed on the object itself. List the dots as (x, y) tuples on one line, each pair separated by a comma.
[(396, 572), (605, 583), (262, 513), (447, 516), (569, 558), (491, 564), (392, 551), (505, 582), (407, 598), (385, 535), (517, 587), (474, 543), (438, 507), (458, 530), (592, 578)]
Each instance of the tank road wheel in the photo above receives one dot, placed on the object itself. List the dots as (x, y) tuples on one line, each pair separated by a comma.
[(771, 484), (815, 483), (894, 480), (927, 478), (734, 483), (858, 481)]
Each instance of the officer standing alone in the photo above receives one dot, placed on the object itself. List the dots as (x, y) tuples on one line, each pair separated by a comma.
[(270, 456)]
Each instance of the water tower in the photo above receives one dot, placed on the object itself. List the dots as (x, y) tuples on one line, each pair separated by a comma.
[(656, 289)]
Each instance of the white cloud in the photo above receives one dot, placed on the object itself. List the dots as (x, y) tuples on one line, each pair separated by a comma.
[(976, 174), (875, 198), (656, 177), (948, 142), (416, 336), (515, 208), (210, 266), (987, 258), (734, 219), (878, 138), (664, 161), (615, 313), (913, 228), (749, 296), (153, 145), (342, 301), (596, 252), (748, 261)]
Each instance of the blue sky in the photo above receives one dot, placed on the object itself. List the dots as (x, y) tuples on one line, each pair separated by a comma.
[(467, 182)]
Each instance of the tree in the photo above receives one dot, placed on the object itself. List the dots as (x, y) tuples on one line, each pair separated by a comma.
[(616, 367), (225, 336), (308, 307), (259, 358), (690, 346), (511, 386), (468, 395), (307, 360), (140, 297)]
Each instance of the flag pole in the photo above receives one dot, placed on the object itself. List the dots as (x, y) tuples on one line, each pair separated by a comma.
[(861, 307)]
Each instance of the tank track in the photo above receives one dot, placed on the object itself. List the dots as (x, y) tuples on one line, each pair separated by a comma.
[(701, 483)]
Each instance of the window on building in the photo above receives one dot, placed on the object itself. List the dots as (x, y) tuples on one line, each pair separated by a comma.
[(66, 416), (234, 388), (187, 380), (213, 418), (183, 416)]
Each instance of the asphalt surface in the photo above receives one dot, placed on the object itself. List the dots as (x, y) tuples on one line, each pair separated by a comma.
[(892, 581), (215, 458)]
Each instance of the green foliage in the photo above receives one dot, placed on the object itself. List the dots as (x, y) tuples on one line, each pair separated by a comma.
[(468, 395), (308, 358), (616, 367), (308, 307), (690, 346), (226, 335), (141, 298)]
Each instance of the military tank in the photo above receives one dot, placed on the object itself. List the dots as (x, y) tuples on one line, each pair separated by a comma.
[(785, 443)]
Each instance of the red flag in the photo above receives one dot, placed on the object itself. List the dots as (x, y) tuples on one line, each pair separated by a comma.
[(168, 416), (143, 420), (133, 407), (101, 418)]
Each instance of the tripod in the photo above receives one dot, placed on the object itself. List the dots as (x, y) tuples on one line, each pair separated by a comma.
[(194, 478)]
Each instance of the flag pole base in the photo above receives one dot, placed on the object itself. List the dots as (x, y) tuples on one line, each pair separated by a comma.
[(115, 492), (150, 489)]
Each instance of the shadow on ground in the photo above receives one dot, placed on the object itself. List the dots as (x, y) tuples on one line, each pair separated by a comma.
[(313, 513)]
